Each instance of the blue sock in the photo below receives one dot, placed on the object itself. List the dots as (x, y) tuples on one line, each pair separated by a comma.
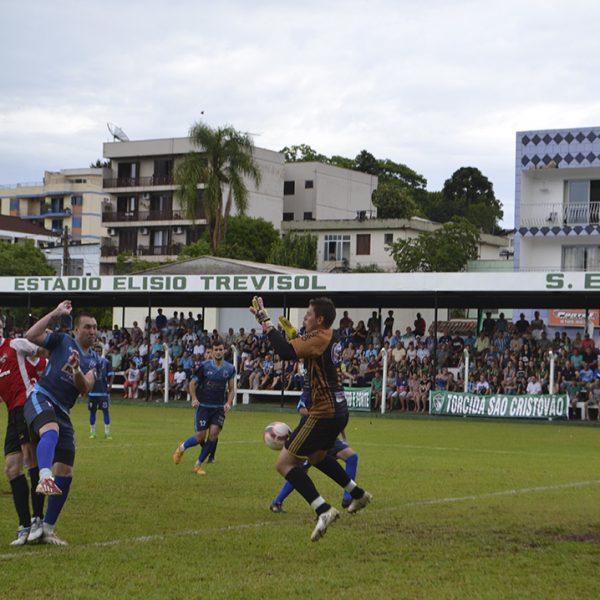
[(206, 449), (56, 503), (45, 449), (286, 490), (351, 467), (191, 441), (106, 416), (92, 417)]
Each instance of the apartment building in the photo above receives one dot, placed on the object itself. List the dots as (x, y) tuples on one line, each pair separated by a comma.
[(557, 199)]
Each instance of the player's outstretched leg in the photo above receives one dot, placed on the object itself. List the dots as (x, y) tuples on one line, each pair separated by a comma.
[(178, 454), (37, 503), (20, 493), (55, 506)]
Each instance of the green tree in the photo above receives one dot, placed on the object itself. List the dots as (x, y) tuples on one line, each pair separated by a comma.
[(470, 194), (394, 201), (248, 239), (99, 164), (302, 153), (371, 268), (128, 263), (447, 249), (200, 247), (295, 250), (224, 158), (23, 259)]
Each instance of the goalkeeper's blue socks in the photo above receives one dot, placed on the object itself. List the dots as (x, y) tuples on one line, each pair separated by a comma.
[(285, 491), (351, 467), (56, 503)]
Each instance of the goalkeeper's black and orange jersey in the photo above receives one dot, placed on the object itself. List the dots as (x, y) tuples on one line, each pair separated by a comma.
[(321, 350)]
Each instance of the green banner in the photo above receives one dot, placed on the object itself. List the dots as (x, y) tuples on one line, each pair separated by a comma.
[(358, 398), (463, 404)]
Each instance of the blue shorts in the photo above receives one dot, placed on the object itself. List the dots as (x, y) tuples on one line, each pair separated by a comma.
[(205, 417), (39, 411), (338, 447), (96, 402)]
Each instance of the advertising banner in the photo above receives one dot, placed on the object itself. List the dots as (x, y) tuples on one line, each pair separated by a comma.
[(358, 399), (572, 317), (463, 404)]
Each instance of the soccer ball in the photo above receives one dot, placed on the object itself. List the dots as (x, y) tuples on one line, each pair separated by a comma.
[(276, 434)]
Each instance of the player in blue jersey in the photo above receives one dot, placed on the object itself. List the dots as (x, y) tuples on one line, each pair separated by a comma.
[(340, 450), (71, 371), (100, 394), (212, 392)]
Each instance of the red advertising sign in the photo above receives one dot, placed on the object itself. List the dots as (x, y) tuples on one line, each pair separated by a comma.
[(572, 317)]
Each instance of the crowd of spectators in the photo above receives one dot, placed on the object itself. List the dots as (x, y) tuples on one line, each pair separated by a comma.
[(504, 358)]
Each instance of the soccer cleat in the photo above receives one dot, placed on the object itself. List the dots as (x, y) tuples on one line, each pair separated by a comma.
[(359, 503), (50, 537), (177, 455), (22, 534), (346, 501), (211, 460), (107, 436), (48, 487), (37, 530), (324, 520), (277, 507), (198, 470), (93, 435)]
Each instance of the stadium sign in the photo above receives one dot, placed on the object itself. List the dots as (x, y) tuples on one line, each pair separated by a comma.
[(461, 404), (358, 399), (310, 282)]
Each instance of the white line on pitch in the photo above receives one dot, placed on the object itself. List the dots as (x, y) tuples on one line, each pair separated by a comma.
[(437, 501)]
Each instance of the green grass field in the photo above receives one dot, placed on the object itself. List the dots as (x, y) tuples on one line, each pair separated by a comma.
[(462, 509)]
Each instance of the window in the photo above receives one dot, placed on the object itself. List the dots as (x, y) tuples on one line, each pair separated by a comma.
[(308, 216), (289, 188), (582, 201), (309, 184), (76, 200), (337, 247), (76, 222), (57, 205), (288, 216), (388, 238), (581, 258), (57, 225), (163, 168), (363, 243)]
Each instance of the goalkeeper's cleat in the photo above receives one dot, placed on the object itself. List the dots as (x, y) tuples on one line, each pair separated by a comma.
[(177, 455), (324, 520), (211, 460), (22, 535), (48, 487), (346, 501), (198, 470), (277, 507), (50, 537), (359, 503), (107, 436), (93, 435), (36, 531), (288, 328)]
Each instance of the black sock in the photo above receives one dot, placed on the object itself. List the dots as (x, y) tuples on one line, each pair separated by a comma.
[(332, 468), (212, 452), (303, 484), (37, 500), (20, 492)]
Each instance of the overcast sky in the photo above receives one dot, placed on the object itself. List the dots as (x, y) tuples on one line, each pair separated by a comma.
[(436, 85)]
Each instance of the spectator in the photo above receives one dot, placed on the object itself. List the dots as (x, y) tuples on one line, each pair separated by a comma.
[(419, 325)]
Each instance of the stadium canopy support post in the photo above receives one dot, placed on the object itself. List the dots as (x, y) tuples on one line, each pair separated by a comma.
[(167, 368), (286, 314), (236, 353), (551, 378), (435, 344), (148, 329), (384, 354), (466, 375)]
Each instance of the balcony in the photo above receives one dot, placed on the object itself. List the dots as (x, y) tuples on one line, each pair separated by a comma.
[(47, 212), (149, 215), (559, 215), (126, 182), (113, 249)]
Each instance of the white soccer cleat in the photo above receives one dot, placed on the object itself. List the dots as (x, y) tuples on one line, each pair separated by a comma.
[(48, 487), (21, 538), (49, 537), (324, 520), (36, 531), (359, 503)]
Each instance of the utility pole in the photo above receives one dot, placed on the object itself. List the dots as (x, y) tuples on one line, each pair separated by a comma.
[(66, 270)]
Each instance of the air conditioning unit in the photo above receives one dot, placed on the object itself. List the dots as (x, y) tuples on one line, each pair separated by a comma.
[(144, 231), (112, 231), (178, 230), (146, 196), (106, 203)]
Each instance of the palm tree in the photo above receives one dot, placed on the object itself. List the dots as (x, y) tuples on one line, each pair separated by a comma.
[(225, 157)]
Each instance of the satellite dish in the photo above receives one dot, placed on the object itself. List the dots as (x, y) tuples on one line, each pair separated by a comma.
[(117, 132)]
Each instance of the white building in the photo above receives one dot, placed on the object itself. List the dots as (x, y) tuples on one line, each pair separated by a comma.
[(347, 244)]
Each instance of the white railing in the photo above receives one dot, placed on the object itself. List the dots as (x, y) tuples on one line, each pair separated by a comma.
[(559, 215)]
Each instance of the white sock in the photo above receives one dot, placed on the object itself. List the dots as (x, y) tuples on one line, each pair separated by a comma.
[(350, 486), (317, 502), (45, 474)]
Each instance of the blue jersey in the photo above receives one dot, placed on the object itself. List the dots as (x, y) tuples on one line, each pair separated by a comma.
[(212, 382), (104, 372), (57, 381)]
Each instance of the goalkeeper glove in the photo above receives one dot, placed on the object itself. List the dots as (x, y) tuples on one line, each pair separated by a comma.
[(290, 330), (260, 313)]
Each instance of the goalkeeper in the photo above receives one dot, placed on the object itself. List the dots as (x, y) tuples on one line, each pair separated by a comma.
[(327, 415)]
